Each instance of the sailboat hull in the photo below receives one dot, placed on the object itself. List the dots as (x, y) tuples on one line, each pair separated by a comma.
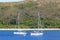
[(36, 34), (21, 33)]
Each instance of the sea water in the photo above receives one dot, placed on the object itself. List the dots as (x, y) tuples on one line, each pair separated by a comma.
[(11, 0), (48, 35)]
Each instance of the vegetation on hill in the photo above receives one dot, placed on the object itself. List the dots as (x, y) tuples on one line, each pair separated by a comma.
[(28, 15)]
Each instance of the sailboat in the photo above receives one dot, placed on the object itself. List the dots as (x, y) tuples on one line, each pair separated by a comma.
[(21, 32), (37, 33)]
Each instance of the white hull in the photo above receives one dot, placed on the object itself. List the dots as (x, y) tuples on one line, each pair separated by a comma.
[(37, 34), (21, 33)]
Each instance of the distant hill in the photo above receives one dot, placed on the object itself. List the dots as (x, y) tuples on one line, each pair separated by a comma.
[(49, 11)]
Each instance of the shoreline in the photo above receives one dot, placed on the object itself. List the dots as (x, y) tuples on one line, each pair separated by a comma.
[(34, 29)]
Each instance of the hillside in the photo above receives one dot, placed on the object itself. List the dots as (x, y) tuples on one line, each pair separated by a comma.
[(27, 12), (25, 1)]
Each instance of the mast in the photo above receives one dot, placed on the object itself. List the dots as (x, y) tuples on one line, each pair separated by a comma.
[(18, 22), (39, 22)]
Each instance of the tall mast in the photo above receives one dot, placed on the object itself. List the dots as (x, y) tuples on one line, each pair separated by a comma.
[(18, 22), (39, 22)]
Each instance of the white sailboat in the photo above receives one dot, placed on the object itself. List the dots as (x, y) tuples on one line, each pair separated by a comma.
[(37, 33), (21, 32)]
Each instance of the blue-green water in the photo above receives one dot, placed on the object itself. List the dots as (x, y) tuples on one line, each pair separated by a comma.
[(48, 35), (10, 0)]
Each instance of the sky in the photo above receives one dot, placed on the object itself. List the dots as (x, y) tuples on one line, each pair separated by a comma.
[(10, 0)]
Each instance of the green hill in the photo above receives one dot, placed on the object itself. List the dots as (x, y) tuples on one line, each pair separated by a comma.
[(50, 14)]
